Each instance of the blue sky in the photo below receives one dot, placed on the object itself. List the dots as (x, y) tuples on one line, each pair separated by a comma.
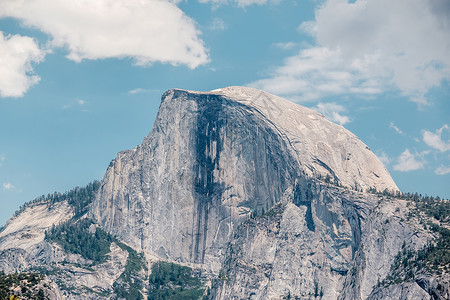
[(82, 80)]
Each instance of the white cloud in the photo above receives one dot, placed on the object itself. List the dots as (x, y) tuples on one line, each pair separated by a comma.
[(392, 125), (435, 141), (285, 46), (308, 27), (8, 186), (76, 102), (2, 159), (137, 91), (442, 170), (420, 100), (146, 30), (317, 72), (142, 90), (332, 112), (384, 158), (240, 3), (217, 25), (17, 54), (410, 162), (243, 3), (368, 47)]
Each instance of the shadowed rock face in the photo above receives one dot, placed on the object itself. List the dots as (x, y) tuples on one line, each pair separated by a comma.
[(211, 159)]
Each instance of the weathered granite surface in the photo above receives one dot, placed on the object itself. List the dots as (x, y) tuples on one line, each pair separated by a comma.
[(265, 197)]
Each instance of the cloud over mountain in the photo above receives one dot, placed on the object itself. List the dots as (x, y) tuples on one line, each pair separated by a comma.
[(408, 161), (333, 112), (368, 47)]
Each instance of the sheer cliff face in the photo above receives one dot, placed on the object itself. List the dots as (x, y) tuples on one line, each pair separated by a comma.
[(206, 165), (213, 158)]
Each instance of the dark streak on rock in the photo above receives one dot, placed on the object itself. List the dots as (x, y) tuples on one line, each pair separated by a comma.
[(325, 166), (303, 196), (209, 122)]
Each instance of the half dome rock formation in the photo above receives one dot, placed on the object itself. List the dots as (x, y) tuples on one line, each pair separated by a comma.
[(263, 198), (213, 158)]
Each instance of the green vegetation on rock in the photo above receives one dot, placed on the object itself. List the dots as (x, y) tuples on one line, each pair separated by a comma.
[(129, 285), (79, 198), (21, 285), (83, 237), (75, 237), (434, 214), (172, 281), (431, 207)]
